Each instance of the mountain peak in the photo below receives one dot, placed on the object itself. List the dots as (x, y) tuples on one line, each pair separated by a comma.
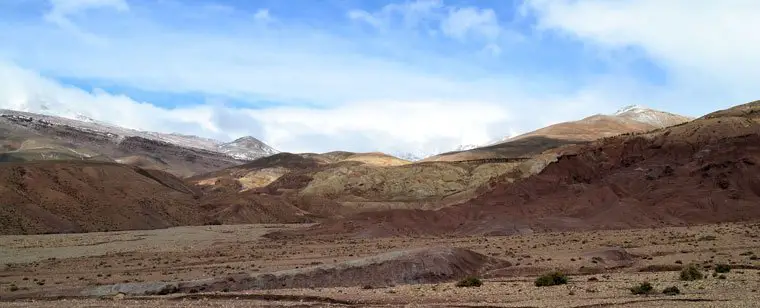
[(247, 139), (247, 147), (632, 108)]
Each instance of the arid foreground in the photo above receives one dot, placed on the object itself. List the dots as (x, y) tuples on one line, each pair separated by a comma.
[(234, 266)]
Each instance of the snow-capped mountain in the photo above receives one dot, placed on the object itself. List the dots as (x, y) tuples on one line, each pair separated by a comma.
[(465, 147), (629, 118), (420, 155), (650, 116), (245, 148), (410, 156)]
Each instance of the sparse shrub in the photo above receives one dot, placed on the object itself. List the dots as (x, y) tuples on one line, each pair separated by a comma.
[(592, 279), (551, 279), (13, 288), (642, 288), (671, 291), (690, 273), (214, 222), (722, 268), (707, 238), (722, 277), (367, 287), (469, 282)]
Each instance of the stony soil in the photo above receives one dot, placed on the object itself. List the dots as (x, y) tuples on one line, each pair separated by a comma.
[(45, 265)]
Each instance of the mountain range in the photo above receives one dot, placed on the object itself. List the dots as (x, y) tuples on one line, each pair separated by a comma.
[(59, 172), (32, 136)]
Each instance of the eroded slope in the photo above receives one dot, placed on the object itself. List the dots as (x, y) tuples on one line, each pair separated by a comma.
[(699, 172)]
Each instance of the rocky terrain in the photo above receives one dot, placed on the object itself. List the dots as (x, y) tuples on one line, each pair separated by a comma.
[(703, 171), (31, 137), (626, 120), (86, 196), (283, 187), (234, 266), (371, 230)]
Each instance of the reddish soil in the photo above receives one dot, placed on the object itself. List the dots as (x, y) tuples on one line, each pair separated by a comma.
[(80, 196), (704, 171), (52, 197), (247, 207)]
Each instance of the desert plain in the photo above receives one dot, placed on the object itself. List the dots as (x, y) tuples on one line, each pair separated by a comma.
[(57, 270)]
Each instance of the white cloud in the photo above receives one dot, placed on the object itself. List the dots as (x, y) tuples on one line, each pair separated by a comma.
[(28, 91), (702, 43), (70, 7), (462, 22), (263, 15), (61, 12), (416, 100), (433, 16), (364, 16), (412, 14), (394, 126), (416, 126)]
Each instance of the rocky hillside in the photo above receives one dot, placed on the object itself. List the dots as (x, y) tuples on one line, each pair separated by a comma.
[(71, 196), (30, 137), (627, 120), (702, 171)]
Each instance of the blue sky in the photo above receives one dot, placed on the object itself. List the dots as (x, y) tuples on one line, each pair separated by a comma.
[(418, 76)]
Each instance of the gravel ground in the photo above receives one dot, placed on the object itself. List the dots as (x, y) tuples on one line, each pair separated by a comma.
[(43, 265)]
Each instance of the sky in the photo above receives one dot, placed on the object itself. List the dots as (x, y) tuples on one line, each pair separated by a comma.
[(406, 76)]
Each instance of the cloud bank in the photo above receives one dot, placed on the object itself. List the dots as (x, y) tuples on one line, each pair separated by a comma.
[(416, 77)]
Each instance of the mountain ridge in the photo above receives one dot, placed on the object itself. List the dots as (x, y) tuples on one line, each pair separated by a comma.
[(632, 118), (246, 148)]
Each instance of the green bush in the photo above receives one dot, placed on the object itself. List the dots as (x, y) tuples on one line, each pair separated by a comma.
[(551, 279), (722, 268), (469, 282), (671, 291), (643, 288), (690, 273)]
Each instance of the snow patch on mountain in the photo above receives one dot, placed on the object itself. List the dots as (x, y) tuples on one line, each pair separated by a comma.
[(646, 115), (245, 148)]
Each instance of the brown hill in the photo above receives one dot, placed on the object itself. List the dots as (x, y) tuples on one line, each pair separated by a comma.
[(52, 197), (33, 137), (699, 172), (364, 187), (81, 196), (376, 159), (256, 174), (341, 183), (264, 171), (628, 120)]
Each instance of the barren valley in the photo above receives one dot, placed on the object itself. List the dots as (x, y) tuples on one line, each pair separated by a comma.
[(339, 271), (638, 209)]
